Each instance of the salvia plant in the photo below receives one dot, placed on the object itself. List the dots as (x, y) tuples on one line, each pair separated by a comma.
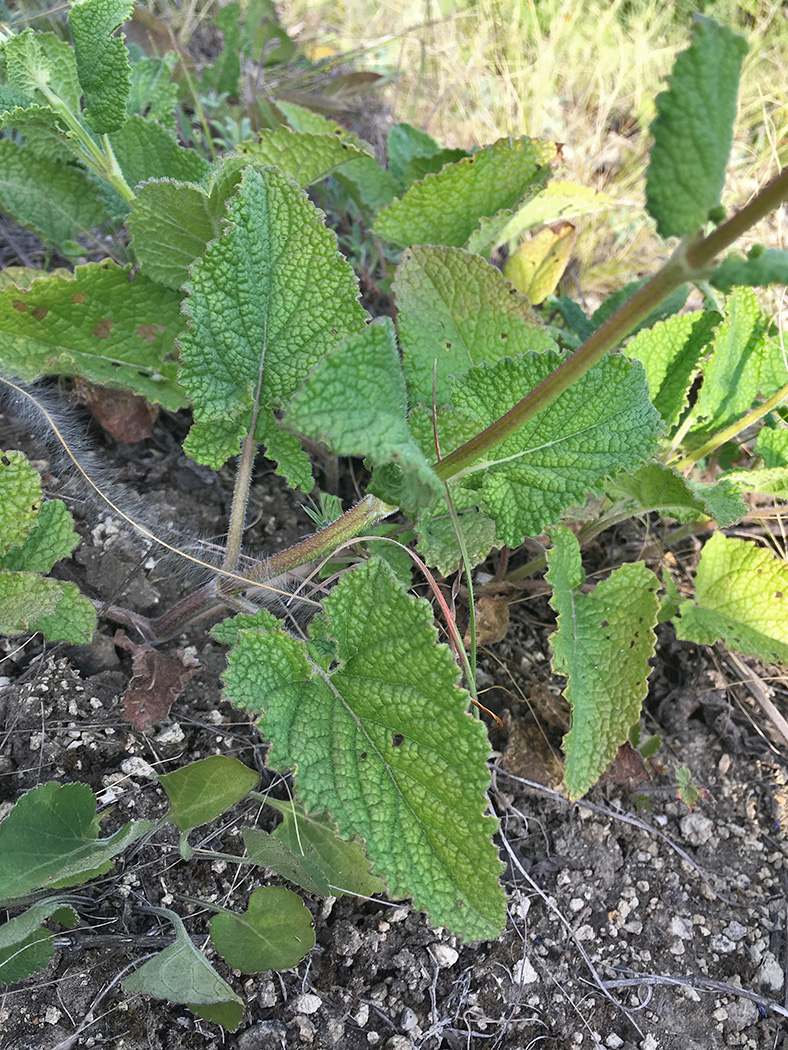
[(482, 423)]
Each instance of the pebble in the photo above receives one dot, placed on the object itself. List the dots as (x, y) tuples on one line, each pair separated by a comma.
[(445, 955), (171, 735), (680, 927), (398, 1042), (721, 943), (524, 973), (735, 931), (770, 973), (696, 828), (135, 766), (741, 1014), (614, 1041), (408, 1019), (308, 1004)]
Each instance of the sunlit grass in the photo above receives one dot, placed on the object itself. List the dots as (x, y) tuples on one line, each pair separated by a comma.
[(584, 74)]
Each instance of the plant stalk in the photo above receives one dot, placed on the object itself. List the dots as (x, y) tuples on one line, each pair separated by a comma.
[(243, 479)]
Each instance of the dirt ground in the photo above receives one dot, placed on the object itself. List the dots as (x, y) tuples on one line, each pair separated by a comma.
[(633, 921)]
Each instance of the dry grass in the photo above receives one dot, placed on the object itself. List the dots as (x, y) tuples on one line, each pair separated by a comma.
[(582, 73)]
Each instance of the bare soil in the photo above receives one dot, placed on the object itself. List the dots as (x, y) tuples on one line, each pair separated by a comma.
[(624, 910)]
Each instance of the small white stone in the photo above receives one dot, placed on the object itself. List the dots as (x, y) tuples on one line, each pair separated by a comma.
[(171, 735), (445, 955), (724, 764), (135, 766), (524, 973), (680, 927), (576, 904), (614, 1041), (408, 1019), (735, 931), (771, 974), (308, 1004), (696, 828), (649, 1043), (52, 1015), (721, 943), (585, 933)]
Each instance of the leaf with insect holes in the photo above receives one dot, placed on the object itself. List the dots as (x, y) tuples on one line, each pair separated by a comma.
[(355, 401), (602, 646), (102, 60), (56, 201), (454, 311), (153, 94), (20, 499), (670, 352), (693, 130), (61, 820), (745, 363), (26, 946), (267, 301), (654, 487), (383, 741), (99, 324), (444, 208), (741, 597), (274, 933), (604, 422), (182, 974)]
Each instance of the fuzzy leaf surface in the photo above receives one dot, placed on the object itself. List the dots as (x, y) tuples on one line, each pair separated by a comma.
[(355, 401), (404, 144), (73, 619), (269, 852), (437, 539), (206, 788), (670, 352), (56, 201), (304, 156), (182, 974), (274, 933), (455, 309), (558, 200), (153, 95), (769, 268), (745, 363), (604, 422), (384, 742), (102, 60), (267, 301), (98, 324), (52, 538), (61, 820), (693, 130), (25, 944), (772, 445), (602, 647), (314, 838), (741, 594), (24, 597), (445, 208), (170, 224), (146, 150), (20, 499), (655, 487)]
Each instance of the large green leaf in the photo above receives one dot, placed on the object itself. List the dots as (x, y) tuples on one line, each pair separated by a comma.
[(654, 487), (444, 208), (102, 60), (741, 597), (603, 423), (274, 933), (670, 352), (146, 150), (102, 324), (25, 944), (759, 268), (602, 646), (266, 302), (454, 311), (383, 740), (21, 497), (355, 401), (170, 225), (61, 820), (305, 156), (693, 130)]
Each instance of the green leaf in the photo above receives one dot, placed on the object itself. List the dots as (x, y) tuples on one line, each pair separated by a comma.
[(170, 225), (740, 597), (385, 743), (769, 482), (603, 423), (770, 267), (20, 499), (403, 143), (672, 305), (145, 150), (558, 200), (73, 620), (24, 597), (153, 95), (314, 839), (655, 487), (61, 820), (772, 445), (52, 538), (355, 401), (306, 157), (56, 201), (602, 647), (101, 325), (203, 790), (267, 301), (445, 208), (25, 945), (274, 933), (270, 852), (693, 130), (454, 311), (438, 540), (102, 60), (670, 352), (745, 363), (223, 74), (182, 974)]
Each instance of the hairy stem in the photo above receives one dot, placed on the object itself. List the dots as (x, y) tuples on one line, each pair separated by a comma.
[(243, 479)]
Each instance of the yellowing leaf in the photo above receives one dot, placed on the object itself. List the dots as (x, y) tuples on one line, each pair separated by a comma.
[(539, 263)]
